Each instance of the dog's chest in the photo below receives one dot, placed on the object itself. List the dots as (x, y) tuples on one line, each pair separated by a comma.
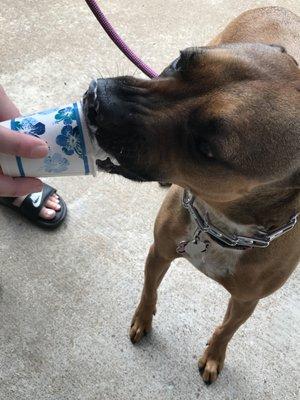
[(207, 255), (210, 258)]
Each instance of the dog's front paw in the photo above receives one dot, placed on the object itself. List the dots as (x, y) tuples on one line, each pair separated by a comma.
[(140, 325), (210, 366)]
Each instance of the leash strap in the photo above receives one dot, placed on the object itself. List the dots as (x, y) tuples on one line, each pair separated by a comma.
[(116, 38)]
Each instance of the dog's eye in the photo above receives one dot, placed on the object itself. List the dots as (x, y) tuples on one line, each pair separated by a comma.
[(176, 64), (205, 149), (278, 47)]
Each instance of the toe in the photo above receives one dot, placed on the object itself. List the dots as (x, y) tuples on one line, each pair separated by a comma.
[(202, 363), (138, 329), (54, 199), (210, 372), (209, 369), (136, 333), (52, 205), (47, 213)]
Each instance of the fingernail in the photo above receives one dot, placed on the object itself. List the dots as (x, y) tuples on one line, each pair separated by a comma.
[(39, 151)]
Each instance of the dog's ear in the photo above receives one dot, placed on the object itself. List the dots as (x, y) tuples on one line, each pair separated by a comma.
[(183, 64), (189, 57)]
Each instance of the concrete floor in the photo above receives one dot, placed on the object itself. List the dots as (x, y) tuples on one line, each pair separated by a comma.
[(67, 297)]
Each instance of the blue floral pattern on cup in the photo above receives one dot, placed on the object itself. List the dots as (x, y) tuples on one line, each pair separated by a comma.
[(67, 115), (70, 140), (61, 128), (56, 163), (30, 126)]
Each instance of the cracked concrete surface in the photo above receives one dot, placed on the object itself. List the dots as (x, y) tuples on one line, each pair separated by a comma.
[(67, 297)]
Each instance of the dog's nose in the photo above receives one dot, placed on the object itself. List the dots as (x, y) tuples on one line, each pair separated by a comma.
[(103, 94), (108, 97), (119, 101)]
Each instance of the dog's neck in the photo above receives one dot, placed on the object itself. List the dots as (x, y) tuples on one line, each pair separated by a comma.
[(269, 208), (240, 234)]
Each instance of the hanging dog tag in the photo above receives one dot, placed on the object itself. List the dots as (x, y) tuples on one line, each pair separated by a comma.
[(195, 247)]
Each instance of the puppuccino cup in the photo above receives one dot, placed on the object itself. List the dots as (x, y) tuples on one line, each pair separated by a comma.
[(70, 148)]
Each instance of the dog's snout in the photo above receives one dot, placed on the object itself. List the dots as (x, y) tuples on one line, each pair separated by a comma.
[(107, 96), (114, 98)]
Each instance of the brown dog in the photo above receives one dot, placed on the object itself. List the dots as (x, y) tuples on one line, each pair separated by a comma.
[(223, 122)]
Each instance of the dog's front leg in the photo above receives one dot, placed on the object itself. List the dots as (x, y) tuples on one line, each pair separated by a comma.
[(155, 269), (212, 361)]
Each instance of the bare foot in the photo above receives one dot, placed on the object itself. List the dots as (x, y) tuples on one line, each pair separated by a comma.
[(49, 210)]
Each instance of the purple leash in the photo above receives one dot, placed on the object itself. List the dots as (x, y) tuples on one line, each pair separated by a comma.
[(116, 38)]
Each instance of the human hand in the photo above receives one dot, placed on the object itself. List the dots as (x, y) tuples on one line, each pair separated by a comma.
[(18, 144)]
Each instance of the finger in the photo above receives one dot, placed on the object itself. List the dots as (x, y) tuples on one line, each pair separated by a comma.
[(7, 108), (15, 187), (20, 144)]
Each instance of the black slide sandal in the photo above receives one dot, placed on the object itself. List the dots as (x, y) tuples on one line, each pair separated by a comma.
[(32, 205)]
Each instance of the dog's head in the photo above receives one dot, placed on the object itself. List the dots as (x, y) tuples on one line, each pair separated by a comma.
[(219, 120)]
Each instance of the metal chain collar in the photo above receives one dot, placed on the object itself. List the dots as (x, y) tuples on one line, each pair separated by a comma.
[(234, 241)]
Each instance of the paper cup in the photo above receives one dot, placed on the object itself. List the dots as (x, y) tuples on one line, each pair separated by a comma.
[(70, 148)]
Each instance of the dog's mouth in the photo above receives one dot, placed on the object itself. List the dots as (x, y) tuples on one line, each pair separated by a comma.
[(115, 149), (108, 166), (108, 163), (105, 161)]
